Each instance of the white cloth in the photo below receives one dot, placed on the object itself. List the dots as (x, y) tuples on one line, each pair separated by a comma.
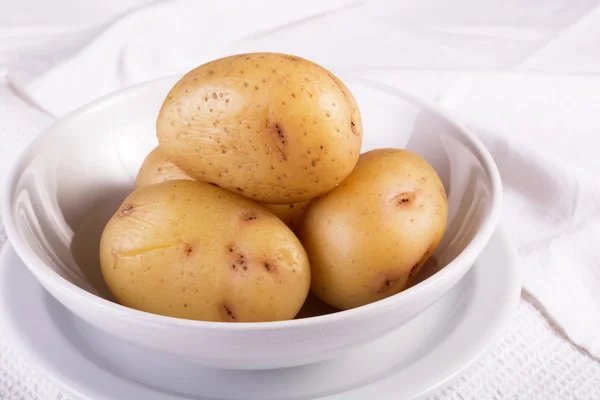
[(525, 74)]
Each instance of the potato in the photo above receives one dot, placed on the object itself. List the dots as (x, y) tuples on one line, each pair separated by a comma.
[(290, 214), (157, 168), (192, 250), (273, 127), (369, 237)]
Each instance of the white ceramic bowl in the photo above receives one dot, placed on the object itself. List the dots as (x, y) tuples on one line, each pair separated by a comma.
[(70, 181)]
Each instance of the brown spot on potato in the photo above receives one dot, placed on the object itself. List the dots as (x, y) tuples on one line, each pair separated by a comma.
[(126, 210), (280, 133), (353, 127), (412, 270), (388, 283), (238, 259), (279, 136), (404, 198), (229, 312), (214, 95), (245, 84), (239, 189), (249, 215), (269, 266), (210, 72)]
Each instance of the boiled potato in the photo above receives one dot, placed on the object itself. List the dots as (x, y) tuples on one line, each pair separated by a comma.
[(157, 168), (369, 237), (273, 127), (290, 214), (192, 250)]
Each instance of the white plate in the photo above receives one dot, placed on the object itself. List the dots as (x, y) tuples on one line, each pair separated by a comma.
[(424, 355)]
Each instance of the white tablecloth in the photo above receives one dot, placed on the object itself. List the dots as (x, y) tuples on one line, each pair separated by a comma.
[(534, 359)]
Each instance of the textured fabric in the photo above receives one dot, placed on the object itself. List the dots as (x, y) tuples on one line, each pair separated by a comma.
[(526, 76), (532, 361)]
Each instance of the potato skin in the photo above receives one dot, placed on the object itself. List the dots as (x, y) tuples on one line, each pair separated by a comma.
[(157, 168), (273, 127), (370, 236), (290, 214), (191, 250)]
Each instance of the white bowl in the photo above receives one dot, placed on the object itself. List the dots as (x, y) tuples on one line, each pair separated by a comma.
[(70, 181)]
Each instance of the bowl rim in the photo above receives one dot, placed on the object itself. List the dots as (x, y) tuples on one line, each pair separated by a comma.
[(47, 276)]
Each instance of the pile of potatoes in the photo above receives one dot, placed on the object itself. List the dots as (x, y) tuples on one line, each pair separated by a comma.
[(258, 193)]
